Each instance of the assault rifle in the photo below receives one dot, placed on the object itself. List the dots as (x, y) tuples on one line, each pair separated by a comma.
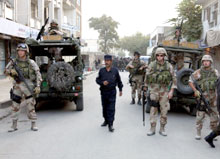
[(202, 98), (144, 101), (42, 29), (20, 77)]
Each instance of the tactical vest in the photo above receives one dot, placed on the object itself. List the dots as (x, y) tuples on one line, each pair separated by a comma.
[(135, 70), (160, 75), (208, 80), (27, 69)]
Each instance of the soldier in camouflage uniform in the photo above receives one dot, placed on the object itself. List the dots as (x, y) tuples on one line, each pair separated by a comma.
[(206, 77), (136, 67), (161, 82), (54, 28), (31, 73)]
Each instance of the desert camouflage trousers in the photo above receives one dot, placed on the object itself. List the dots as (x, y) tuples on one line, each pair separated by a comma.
[(217, 130), (200, 115), (136, 86), (20, 90), (162, 99)]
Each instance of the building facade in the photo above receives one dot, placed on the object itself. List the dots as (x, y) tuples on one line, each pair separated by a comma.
[(159, 34), (211, 28), (20, 19)]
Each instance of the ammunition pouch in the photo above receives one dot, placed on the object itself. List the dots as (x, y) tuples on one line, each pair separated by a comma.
[(15, 97)]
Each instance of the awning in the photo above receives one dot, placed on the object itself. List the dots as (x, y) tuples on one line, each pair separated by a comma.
[(212, 38)]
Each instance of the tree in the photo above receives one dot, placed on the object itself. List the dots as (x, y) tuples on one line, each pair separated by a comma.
[(106, 28), (137, 42), (190, 14)]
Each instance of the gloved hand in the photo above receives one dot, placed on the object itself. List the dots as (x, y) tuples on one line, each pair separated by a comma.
[(37, 90), (13, 72), (197, 94)]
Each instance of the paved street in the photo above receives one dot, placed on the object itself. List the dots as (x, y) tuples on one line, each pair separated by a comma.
[(67, 134)]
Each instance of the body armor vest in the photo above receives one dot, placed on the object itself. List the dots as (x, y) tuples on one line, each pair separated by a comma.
[(208, 80), (135, 70), (26, 69), (160, 75)]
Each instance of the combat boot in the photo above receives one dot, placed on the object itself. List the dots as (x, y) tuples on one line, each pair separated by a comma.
[(33, 126), (14, 126), (162, 130), (198, 135), (152, 130), (210, 139), (110, 128), (133, 101), (139, 101), (105, 123)]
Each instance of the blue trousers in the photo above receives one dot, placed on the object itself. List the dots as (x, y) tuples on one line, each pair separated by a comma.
[(108, 105)]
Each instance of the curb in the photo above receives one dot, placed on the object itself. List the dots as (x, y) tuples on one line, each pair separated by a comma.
[(5, 104)]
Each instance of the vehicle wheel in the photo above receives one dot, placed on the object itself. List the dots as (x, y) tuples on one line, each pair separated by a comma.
[(61, 76), (193, 110), (79, 103), (147, 107), (182, 81)]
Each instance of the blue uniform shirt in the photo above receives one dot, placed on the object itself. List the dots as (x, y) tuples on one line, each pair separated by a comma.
[(111, 76)]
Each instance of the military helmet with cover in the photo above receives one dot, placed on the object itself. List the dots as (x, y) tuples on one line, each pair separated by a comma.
[(54, 22), (160, 50), (208, 58), (23, 47)]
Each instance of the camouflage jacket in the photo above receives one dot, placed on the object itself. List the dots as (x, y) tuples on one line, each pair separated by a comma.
[(207, 79), (137, 64), (153, 70), (31, 66)]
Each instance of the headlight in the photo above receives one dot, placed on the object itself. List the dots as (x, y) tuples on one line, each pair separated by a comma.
[(73, 88)]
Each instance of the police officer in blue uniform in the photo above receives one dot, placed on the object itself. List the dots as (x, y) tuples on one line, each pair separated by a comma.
[(108, 78)]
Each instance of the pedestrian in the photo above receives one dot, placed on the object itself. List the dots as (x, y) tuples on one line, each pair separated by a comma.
[(161, 82), (206, 77), (31, 73), (136, 68), (108, 78)]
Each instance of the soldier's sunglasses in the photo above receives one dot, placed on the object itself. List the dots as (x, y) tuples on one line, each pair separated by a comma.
[(160, 55), (22, 46)]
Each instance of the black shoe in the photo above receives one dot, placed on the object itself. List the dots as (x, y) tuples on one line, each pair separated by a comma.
[(210, 138), (139, 102), (104, 124), (110, 128), (133, 101)]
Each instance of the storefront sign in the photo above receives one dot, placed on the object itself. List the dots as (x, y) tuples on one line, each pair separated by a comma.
[(15, 29)]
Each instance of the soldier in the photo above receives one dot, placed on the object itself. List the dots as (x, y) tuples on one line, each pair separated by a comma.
[(31, 73), (54, 28), (108, 79), (206, 77), (216, 132), (161, 82), (136, 67)]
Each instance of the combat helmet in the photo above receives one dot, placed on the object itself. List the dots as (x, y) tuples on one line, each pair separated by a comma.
[(208, 58), (22, 46), (137, 53), (160, 50), (53, 22)]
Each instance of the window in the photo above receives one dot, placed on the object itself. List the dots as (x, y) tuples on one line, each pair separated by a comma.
[(210, 14), (33, 10), (78, 2)]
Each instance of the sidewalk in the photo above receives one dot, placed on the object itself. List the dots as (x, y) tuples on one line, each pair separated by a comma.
[(5, 86)]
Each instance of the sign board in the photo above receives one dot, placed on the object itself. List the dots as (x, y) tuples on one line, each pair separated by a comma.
[(15, 29)]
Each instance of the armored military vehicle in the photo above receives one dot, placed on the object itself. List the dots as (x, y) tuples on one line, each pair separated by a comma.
[(184, 60), (61, 66)]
